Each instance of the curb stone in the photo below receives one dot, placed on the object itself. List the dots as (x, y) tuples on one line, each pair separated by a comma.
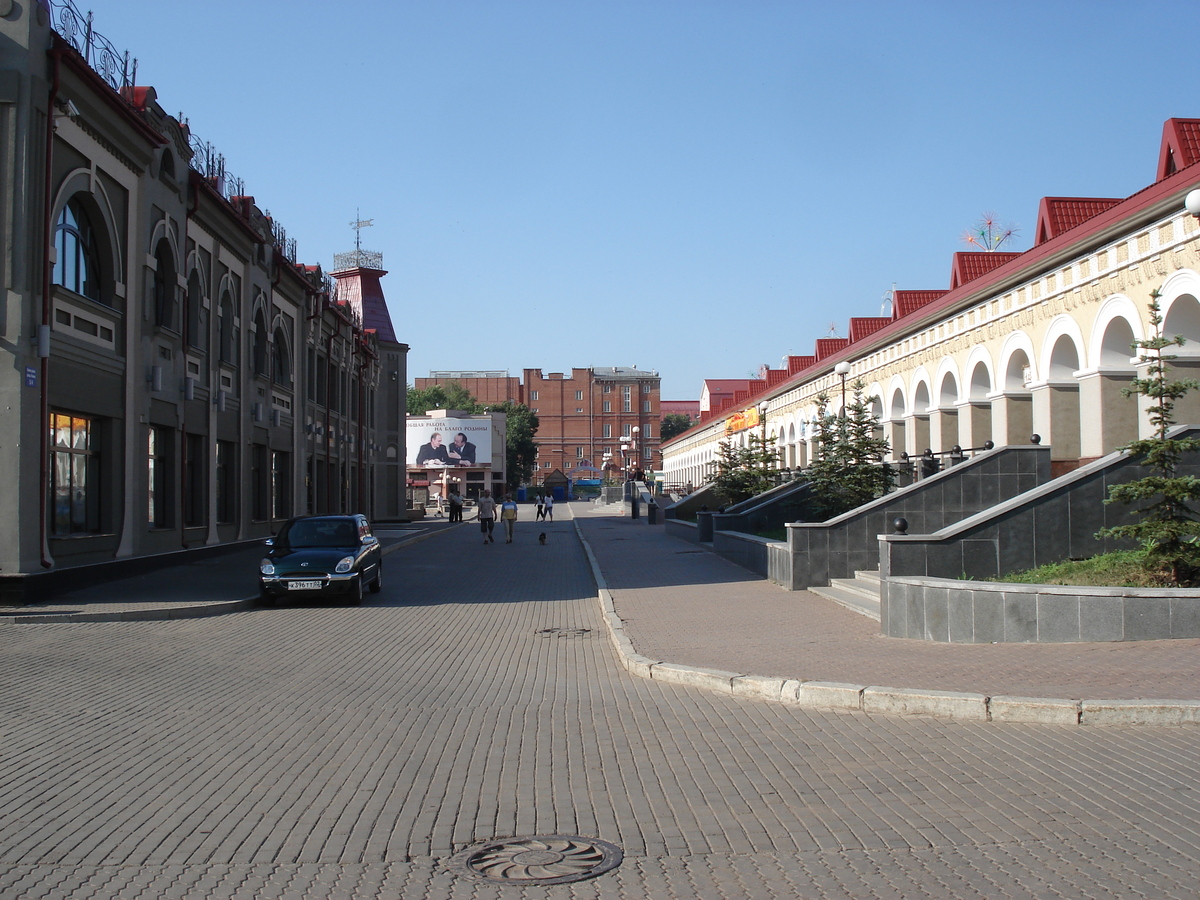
[(960, 705)]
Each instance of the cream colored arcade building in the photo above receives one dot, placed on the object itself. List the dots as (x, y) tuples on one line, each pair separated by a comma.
[(1020, 344)]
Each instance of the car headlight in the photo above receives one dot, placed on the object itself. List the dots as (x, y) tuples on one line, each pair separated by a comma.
[(345, 565), (266, 567)]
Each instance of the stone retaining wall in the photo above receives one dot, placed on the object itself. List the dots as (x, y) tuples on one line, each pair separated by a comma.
[(973, 612)]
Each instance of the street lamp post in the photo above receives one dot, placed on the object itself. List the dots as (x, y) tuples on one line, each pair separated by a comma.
[(762, 421), (843, 369)]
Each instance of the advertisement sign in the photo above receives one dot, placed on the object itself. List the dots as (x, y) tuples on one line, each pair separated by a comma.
[(449, 443), (740, 421)]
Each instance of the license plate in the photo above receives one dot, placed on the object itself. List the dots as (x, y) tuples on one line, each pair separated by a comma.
[(304, 585)]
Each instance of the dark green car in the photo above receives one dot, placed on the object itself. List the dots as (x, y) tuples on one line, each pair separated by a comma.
[(317, 556)]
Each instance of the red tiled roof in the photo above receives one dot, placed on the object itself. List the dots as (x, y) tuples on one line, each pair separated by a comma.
[(1059, 214), (1180, 146), (1181, 136), (361, 289), (798, 363), (968, 266), (723, 385), (862, 327), (829, 346), (679, 407), (905, 302), (776, 376)]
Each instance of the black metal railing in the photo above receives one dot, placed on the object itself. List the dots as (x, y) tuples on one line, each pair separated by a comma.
[(113, 65)]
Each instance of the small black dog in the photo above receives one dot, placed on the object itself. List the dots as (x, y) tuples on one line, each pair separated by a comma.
[(542, 538)]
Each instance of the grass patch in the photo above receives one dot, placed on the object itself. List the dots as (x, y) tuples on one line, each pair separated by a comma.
[(1122, 568)]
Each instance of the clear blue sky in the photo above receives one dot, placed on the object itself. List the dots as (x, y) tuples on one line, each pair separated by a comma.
[(696, 187)]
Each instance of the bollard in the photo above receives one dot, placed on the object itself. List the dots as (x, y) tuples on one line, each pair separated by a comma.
[(652, 513), (634, 499)]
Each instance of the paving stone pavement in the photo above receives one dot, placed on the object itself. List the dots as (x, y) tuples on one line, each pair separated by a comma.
[(312, 751), (687, 605)]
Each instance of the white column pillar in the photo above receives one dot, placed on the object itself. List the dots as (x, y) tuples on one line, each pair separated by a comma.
[(1110, 419), (1056, 417)]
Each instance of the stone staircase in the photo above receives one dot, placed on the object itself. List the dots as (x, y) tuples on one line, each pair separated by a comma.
[(860, 593)]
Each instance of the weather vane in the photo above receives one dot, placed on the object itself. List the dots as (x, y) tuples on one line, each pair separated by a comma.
[(369, 259)]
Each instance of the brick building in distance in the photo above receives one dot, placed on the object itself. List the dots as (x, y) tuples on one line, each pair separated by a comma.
[(584, 419), (487, 386)]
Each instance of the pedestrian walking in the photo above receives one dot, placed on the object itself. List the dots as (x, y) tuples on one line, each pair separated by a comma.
[(456, 505), (541, 508), (508, 515), (549, 507), (487, 516)]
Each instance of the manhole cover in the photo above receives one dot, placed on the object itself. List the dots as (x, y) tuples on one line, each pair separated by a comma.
[(563, 632), (541, 859)]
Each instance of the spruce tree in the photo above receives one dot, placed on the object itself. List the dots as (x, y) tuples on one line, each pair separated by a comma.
[(740, 473), (849, 467), (1167, 526)]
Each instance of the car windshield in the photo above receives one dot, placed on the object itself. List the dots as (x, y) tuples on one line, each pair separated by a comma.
[(322, 533)]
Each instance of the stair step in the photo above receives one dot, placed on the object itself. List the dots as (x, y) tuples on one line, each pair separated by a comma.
[(864, 589), (858, 599), (868, 575)]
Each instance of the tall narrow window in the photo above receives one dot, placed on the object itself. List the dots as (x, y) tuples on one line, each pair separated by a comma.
[(158, 476), (164, 286), (281, 364), (194, 314), (260, 343), (281, 484), (195, 498), (77, 262), (227, 338), (75, 470), (260, 486), (226, 474)]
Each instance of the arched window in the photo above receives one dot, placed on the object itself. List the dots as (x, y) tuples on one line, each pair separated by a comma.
[(227, 338), (260, 343), (281, 364), (164, 286), (194, 316), (77, 262)]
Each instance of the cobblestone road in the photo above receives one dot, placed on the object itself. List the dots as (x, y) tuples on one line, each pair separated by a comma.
[(322, 752)]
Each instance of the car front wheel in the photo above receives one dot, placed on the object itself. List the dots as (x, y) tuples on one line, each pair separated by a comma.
[(356, 592), (377, 584)]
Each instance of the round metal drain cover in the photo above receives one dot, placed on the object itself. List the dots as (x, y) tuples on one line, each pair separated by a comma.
[(540, 859)]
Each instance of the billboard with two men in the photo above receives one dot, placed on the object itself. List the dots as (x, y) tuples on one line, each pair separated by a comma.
[(449, 443)]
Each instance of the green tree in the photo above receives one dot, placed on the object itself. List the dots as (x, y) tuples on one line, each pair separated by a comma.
[(1167, 524), (451, 395), (674, 424), (740, 473), (848, 470), (520, 452)]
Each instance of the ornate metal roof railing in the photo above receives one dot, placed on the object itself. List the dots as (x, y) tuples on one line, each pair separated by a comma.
[(111, 64), (119, 71), (366, 259), (282, 241)]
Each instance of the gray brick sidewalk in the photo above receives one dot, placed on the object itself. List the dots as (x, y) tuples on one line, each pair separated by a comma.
[(333, 752), (686, 605)]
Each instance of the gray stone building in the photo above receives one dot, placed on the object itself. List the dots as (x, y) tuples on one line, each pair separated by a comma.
[(174, 379)]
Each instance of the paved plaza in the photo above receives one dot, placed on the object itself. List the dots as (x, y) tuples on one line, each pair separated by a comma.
[(316, 751)]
